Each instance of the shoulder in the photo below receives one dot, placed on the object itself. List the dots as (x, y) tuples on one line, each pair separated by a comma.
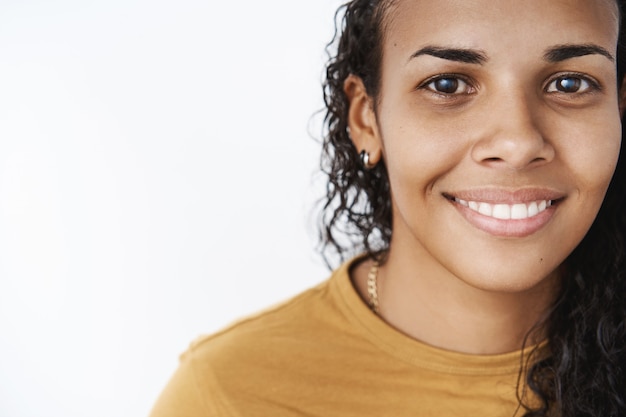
[(270, 361), (250, 366), (258, 336), (316, 316)]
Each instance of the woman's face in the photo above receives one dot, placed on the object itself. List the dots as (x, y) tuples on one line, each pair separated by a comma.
[(500, 128)]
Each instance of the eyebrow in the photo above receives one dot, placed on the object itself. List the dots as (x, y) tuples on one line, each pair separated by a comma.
[(468, 56), (554, 54), (563, 52)]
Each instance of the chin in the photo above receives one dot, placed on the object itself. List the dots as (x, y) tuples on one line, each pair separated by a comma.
[(507, 282)]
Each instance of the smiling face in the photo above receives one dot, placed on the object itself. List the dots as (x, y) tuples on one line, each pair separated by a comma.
[(500, 128)]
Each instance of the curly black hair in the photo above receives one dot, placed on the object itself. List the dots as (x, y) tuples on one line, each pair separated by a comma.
[(358, 202), (585, 374)]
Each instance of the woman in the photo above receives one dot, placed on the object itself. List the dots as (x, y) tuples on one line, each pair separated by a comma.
[(472, 154)]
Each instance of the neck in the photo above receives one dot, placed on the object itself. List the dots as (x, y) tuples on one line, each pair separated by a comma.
[(440, 309)]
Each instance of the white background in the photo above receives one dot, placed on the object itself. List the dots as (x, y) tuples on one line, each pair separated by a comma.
[(156, 183)]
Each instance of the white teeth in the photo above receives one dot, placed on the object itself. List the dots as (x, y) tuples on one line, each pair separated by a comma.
[(485, 209), (519, 211), (501, 211), (507, 211)]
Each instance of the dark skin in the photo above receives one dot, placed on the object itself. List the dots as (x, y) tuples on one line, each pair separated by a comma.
[(505, 143)]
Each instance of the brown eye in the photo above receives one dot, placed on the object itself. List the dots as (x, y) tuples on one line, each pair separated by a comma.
[(569, 85), (448, 85)]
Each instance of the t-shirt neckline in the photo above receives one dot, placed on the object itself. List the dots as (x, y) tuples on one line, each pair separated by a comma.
[(415, 352)]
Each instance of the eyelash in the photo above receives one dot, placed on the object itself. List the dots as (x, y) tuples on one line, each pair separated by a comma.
[(455, 77), (591, 84)]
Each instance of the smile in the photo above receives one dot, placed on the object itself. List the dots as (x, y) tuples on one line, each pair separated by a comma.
[(518, 211), (507, 214)]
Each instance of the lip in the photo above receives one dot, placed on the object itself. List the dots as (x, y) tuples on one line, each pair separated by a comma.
[(511, 227)]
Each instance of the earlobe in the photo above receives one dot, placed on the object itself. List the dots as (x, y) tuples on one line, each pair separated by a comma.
[(362, 122)]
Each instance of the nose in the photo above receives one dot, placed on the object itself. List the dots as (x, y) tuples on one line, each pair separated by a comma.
[(512, 135)]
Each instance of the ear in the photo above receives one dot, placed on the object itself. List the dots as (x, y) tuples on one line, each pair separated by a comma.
[(622, 97), (362, 119)]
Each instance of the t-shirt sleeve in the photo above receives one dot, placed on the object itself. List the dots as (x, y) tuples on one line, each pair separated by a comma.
[(182, 396)]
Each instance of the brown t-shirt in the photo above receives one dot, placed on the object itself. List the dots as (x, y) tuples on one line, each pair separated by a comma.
[(325, 354)]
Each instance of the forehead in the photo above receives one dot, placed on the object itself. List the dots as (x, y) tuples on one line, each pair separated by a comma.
[(498, 23)]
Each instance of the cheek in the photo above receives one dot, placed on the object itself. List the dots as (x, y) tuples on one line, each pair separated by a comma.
[(418, 152), (590, 152)]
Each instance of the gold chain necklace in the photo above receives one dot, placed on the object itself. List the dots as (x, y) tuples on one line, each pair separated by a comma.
[(372, 287)]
